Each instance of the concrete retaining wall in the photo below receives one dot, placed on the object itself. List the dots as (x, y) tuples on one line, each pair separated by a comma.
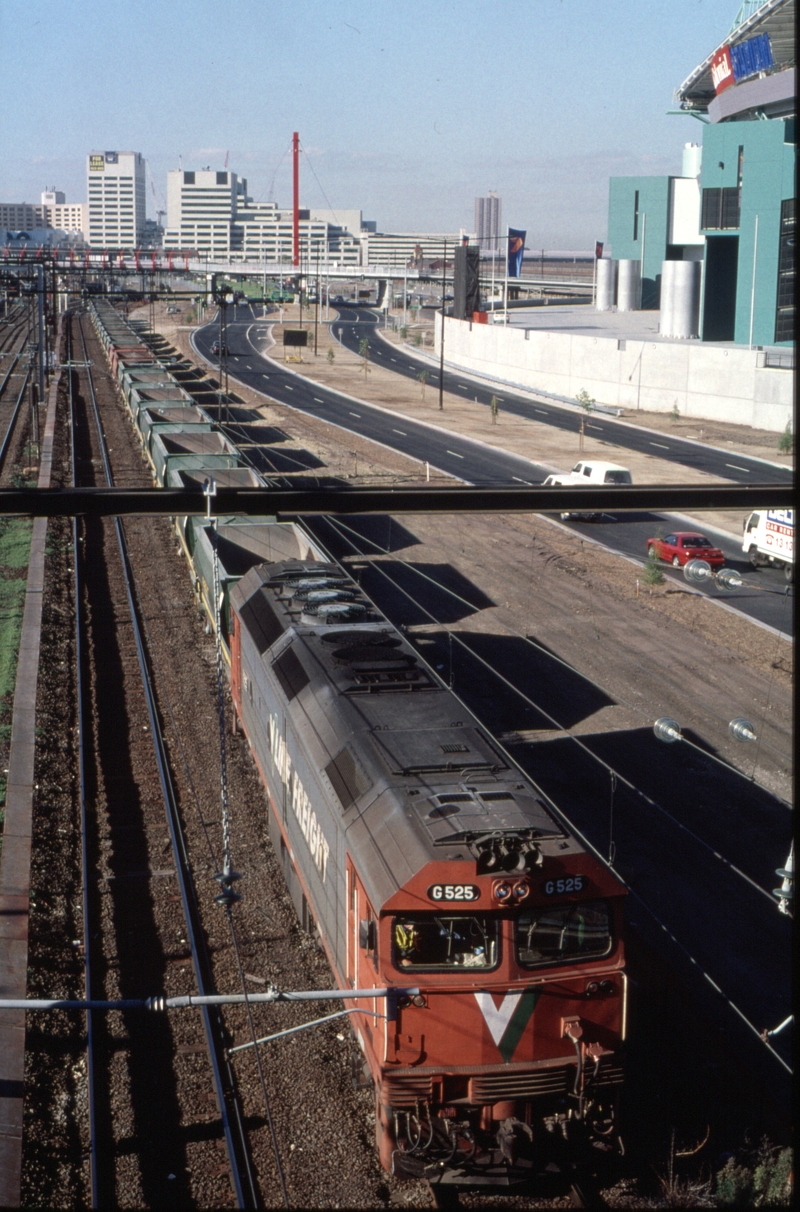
[(704, 381)]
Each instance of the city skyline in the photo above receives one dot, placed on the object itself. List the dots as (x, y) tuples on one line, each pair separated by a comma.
[(406, 126)]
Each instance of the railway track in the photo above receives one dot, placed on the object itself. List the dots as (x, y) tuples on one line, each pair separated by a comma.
[(131, 921), (159, 1131), (16, 368)]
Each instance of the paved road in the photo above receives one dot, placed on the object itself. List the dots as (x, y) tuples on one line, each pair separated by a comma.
[(764, 597), (354, 324)]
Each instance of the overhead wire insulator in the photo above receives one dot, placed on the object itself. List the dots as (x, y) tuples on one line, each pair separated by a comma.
[(742, 729), (667, 730), (728, 579), (697, 571), (785, 894)]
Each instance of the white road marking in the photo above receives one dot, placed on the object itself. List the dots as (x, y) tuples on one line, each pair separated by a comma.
[(265, 376), (542, 411), (318, 401), (402, 433), (463, 388), (355, 414), (288, 388), (660, 445), (600, 427), (736, 467), (453, 453), (393, 359), (519, 481)]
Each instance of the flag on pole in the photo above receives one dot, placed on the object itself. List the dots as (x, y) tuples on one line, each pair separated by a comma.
[(516, 247), (598, 249)]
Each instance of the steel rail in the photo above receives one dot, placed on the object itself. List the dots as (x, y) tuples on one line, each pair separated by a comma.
[(224, 1081), (88, 931), (289, 503), (14, 417), (10, 371)]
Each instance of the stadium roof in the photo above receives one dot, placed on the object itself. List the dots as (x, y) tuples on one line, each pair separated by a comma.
[(774, 17)]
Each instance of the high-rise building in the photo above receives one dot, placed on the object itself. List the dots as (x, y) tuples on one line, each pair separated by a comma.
[(210, 212), (116, 199), (488, 214), (201, 209)]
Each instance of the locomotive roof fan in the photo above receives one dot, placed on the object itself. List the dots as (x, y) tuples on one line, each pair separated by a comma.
[(510, 852)]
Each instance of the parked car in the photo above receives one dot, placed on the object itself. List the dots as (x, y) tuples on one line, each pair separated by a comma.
[(683, 546)]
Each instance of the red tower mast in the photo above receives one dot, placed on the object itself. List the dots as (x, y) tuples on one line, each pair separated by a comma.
[(296, 217)]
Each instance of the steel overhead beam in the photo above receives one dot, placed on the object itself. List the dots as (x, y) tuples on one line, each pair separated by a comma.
[(292, 502)]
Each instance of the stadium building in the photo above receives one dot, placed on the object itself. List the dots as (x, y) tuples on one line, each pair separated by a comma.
[(733, 207)]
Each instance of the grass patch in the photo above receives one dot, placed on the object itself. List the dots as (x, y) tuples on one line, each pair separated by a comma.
[(15, 548)]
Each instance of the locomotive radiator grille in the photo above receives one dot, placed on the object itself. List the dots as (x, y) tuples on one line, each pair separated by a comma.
[(407, 1091), (501, 1087)]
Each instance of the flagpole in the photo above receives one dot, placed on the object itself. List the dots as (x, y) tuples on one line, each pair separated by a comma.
[(505, 294)]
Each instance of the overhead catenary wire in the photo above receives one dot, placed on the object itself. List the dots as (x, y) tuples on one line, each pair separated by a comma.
[(337, 524)]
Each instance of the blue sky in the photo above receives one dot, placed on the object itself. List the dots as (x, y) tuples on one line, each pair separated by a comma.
[(405, 110)]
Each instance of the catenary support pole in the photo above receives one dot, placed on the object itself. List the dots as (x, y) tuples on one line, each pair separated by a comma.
[(441, 336)]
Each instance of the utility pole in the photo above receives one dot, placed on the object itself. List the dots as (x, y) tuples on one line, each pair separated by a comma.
[(441, 339)]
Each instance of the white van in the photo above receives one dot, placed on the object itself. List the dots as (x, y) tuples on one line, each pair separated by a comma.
[(769, 539), (589, 473)]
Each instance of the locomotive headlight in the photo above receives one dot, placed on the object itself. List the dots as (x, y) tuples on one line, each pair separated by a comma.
[(521, 890), (501, 890)]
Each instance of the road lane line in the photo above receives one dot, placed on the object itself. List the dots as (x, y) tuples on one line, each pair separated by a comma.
[(288, 388), (454, 454), (519, 481), (542, 411), (318, 401), (660, 445), (736, 467), (355, 414), (401, 432), (263, 376)]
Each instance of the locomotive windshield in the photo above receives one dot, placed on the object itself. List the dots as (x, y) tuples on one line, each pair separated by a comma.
[(550, 933), (439, 941)]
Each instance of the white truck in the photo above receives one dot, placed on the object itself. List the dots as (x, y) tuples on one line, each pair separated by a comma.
[(769, 539), (589, 473)]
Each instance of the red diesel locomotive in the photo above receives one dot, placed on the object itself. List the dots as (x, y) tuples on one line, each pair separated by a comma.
[(432, 865)]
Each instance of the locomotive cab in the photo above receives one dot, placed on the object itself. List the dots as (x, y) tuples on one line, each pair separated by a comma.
[(510, 1053)]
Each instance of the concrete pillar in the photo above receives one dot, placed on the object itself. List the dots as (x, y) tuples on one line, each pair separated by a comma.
[(629, 286), (606, 284), (680, 299)]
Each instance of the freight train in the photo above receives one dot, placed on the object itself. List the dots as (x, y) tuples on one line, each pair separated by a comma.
[(426, 860)]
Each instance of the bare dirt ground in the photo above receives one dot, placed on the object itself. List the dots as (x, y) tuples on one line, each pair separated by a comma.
[(656, 651)]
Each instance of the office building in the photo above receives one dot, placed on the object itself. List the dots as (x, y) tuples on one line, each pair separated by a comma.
[(53, 213), (211, 213), (116, 199), (488, 217)]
